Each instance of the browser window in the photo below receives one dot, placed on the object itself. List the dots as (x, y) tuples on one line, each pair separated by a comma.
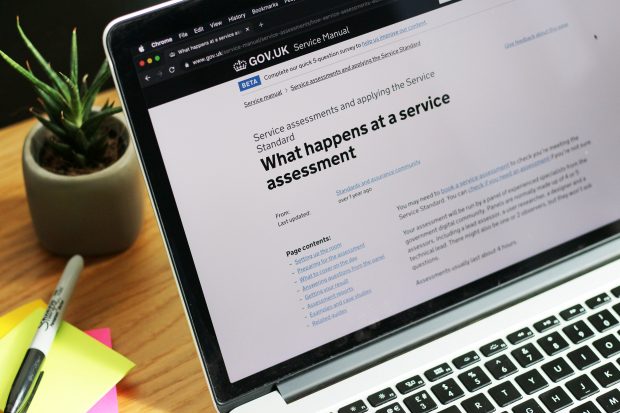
[(362, 163)]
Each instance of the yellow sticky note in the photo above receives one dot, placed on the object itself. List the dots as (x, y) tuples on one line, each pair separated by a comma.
[(78, 370), (13, 318)]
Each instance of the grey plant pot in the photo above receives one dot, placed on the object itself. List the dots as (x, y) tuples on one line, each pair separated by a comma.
[(95, 214)]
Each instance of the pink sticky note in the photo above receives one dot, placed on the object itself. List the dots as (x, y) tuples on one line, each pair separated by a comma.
[(109, 402)]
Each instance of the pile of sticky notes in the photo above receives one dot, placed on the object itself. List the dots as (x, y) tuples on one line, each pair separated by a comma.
[(79, 374)]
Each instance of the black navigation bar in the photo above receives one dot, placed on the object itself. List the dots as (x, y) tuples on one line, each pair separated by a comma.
[(180, 67), (211, 25)]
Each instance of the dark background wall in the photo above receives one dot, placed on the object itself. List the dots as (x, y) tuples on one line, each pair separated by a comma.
[(49, 24)]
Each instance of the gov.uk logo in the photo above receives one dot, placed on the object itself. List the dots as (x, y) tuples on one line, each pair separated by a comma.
[(240, 65)]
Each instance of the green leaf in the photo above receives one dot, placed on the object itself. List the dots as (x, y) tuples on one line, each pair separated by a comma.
[(52, 107), (84, 85), (76, 104), (92, 124), (32, 78), (102, 75), (80, 159), (43, 63), (97, 148), (80, 143), (74, 57), (51, 126), (61, 149), (67, 152)]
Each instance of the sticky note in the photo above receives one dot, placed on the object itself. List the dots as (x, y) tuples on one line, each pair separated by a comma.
[(9, 320), (109, 402), (78, 371)]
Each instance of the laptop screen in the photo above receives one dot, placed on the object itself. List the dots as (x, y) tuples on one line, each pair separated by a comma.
[(337, 164)]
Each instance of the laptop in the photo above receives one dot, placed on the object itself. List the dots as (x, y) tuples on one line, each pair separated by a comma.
[(386, 205)]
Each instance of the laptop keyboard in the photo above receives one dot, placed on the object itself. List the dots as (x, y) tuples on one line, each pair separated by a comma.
[(542, 368)]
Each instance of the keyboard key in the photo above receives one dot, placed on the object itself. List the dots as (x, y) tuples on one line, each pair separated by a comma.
[(530, 406), (438, 372), (493, 348), (616, 292), (355, 407), (474, 379), (583, 358), (381, 397), (478, 404), (573, 312), (582, 387), (527, 355), (546, 324), (505, 394), (556, 399), (553, 344), (520, 336), (598, 301), (578, 332), (608, 346), (466, 360), (447, 392), (531, 382), (392, 408), (451, 409), (610, 401), (557, 370), (410, 385), (420, 403), (617, 308), (588, 407), (501, 367), (606, 375), (603, 321)]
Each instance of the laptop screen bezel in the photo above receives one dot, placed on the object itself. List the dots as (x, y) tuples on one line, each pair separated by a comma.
[(126, 33)]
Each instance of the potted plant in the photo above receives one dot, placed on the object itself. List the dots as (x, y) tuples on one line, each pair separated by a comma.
[(80, 170)]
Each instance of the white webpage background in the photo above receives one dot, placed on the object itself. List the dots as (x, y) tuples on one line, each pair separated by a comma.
[(504, 103)]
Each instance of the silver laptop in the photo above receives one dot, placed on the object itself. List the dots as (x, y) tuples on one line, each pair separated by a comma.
[(388, 205)]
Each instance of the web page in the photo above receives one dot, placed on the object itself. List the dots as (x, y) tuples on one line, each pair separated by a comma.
[(334, 190)]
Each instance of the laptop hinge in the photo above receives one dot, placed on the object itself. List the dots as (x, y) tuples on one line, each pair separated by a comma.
[(532, 284)]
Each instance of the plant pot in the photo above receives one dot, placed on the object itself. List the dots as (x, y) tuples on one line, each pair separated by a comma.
[(94, 214)]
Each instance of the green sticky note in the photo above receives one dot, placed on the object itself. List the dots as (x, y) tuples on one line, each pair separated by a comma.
[(78, 370)]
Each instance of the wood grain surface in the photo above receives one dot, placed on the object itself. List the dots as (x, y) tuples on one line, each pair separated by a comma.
[(133, 293)]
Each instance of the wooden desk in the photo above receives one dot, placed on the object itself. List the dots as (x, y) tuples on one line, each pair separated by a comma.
[(133, 293)]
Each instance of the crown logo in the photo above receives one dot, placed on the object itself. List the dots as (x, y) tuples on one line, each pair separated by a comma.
[(240, 65)]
